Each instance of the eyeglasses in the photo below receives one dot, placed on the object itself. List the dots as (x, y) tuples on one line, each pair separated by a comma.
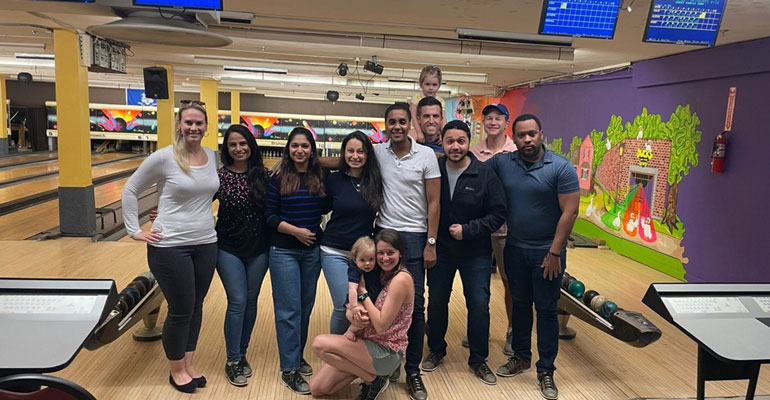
[(186, 102)]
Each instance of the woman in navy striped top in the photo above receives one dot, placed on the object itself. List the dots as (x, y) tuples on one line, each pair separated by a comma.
[(296, 200)]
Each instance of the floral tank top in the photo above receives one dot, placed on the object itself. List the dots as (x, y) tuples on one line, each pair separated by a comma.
[(394, 337)]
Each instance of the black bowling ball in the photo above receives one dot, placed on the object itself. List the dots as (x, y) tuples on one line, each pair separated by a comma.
[(128, 299), (139, 286), (565, 282), (145, 281), (133, 293), (588, 296)]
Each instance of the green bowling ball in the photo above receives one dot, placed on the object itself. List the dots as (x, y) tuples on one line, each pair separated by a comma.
[(577, 289), (607, 309), (597, 302)]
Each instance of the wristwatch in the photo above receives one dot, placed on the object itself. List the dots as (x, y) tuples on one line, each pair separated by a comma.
[(363, 296), (432, 241)]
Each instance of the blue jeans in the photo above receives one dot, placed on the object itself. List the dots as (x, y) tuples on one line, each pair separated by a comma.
[(335, 269), (415, 245), (242, 279), (294, 275), (525, 278), (475, 273)]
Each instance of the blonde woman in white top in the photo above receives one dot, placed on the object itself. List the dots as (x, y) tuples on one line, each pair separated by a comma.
[(182, 243)]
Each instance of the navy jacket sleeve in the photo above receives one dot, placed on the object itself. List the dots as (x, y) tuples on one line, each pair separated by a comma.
[(494, 204)]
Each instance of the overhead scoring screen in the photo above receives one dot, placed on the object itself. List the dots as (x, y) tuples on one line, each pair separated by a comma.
[(197, 4), (585, 18), (684, 21)]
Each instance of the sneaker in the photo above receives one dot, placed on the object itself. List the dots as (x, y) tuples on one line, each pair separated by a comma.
[(508, 350), (465, 341), (294, 381), (235, 375), (416, 388), (245, 367), (514, 366), (305, 368), (395, 375), (365, 387), (547, 385), (483, 372), (377, 387), (432, 362)]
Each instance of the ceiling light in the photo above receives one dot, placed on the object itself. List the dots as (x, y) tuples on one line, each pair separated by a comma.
[(513, 37), (31, 56), (359, 96), (372, 66), (401, 80), (332, 95), (256, 69), (342, 69)]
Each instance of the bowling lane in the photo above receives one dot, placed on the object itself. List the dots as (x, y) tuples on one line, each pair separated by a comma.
[(42, 217), (24, 171), (27, 158), (22, 190)]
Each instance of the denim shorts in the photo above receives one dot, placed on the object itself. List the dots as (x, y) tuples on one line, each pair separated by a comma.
[(385, 360)]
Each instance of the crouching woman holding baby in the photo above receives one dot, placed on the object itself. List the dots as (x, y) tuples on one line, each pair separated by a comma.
[(385, 321)]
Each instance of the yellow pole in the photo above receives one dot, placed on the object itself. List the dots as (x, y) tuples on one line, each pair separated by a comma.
[(166, 122), (3, 119), (210, 96), (72, 111), (235, 107), (77, 215)]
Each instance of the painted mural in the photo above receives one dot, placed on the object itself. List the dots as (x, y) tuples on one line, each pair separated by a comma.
[(629, 175)]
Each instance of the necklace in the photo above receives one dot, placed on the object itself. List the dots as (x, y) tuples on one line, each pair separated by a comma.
[(356, 185)]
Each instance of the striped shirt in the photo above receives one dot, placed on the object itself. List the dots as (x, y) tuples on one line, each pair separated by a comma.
[(301, 209)]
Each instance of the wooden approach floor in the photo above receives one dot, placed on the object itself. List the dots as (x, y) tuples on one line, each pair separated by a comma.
[(593, 366), (23, 171)]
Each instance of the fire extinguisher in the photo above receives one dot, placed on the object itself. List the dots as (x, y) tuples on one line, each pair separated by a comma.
[(719, 153)]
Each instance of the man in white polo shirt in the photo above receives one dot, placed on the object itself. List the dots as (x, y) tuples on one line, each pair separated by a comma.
[(411, 182)]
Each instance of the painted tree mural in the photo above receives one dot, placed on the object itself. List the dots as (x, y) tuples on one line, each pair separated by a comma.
[(682, 130), (574, 147), (555, 146)]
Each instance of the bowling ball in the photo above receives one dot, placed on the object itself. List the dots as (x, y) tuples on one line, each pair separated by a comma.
[(133, 293), (121, 306), (565, 282), (607, 309), (577, 289), (128, 299), (597, 302), (588, 296), (138, 286), (149, 276), (145, 281)]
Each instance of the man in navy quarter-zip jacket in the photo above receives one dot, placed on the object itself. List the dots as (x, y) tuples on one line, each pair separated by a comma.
[(472, 207)]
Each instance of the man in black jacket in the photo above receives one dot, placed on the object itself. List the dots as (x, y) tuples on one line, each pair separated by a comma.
[(472, 207)]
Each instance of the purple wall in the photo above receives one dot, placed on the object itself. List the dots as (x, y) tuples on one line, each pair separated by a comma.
[(726, 216)]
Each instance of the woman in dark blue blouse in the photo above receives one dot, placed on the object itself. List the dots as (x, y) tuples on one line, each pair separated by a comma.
[(355, 197), (296, 200), (242, 242)]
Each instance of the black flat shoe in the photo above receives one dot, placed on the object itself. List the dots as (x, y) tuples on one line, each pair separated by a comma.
[(188, 387), (200, 381)]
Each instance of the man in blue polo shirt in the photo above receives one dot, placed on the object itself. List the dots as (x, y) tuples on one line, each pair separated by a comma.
[(542, 194)]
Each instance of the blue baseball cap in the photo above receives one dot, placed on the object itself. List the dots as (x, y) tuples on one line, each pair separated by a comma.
[(500, 107)]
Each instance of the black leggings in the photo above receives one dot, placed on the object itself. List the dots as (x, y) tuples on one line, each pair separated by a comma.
[(184, 274)]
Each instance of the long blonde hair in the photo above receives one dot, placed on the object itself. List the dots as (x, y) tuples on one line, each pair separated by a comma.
[(181, 155)]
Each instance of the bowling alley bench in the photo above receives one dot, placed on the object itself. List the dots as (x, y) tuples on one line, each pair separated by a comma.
[(45, 323)]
